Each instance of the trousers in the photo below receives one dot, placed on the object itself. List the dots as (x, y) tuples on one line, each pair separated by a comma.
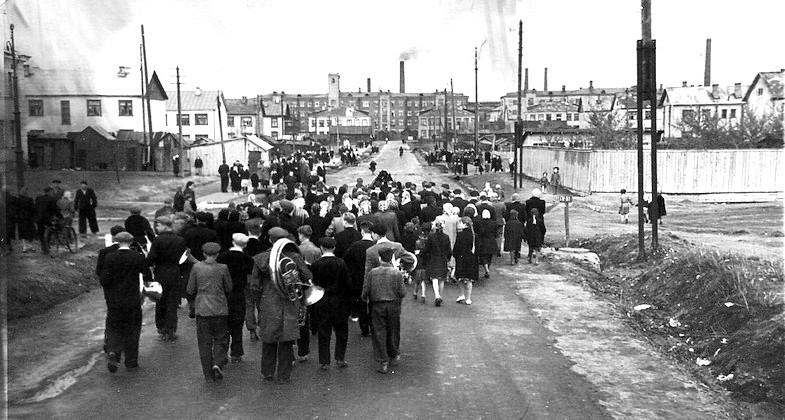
[(360, 310), (123, 327), (211, 338), (224, 182), (166, 308), (235, 327), (252, 310), (304, 342), (386, 329), (277, 354), (87, 215), (332, 313)]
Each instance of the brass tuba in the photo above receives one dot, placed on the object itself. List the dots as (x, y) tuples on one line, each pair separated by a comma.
[(286, 278)]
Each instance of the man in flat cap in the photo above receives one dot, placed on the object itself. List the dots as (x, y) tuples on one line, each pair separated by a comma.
[(120, 279), (210, 282), (164, 257), (279, 315)]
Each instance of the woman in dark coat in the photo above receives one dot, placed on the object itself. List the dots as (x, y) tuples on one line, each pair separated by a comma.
[(436, 253), (534, 233), (513, 236), (234, 179), (466, 268), (485, 241)]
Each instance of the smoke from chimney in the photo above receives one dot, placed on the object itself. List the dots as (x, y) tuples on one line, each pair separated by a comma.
[(403, 77), (526, 80), (408, 54), (707, 69), (545, 81)]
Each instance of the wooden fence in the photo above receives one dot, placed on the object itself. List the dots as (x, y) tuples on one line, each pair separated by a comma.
[(678, 171)]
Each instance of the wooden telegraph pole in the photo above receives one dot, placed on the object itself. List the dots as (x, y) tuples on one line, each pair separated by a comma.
[(147, 98), (518, 122), (476, 105), (179, 122), (141, 72), (454, 127), (220, 126), (647, 90)]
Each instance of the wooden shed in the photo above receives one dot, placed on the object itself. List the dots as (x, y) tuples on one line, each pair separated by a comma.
[(51, 150), (98, 149), (249, 150)]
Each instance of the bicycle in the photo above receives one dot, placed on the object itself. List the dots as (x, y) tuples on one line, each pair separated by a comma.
[(59, 235)]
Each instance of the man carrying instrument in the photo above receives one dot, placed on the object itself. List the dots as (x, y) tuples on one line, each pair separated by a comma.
[(279, 314)]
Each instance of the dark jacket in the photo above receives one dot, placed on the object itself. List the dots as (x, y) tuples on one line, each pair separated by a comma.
[(240, 267), (465, 261), (101, 260), (332, 274), (196, 236), (429, 214), (534, 232), (485, 239), (45, 208), (534, 203), (513, 235), (138, 226), (354, 256), (436, 252), (520, 208), (344, 239), (85, 200), (164, 256), (254, 247), (120, 278)]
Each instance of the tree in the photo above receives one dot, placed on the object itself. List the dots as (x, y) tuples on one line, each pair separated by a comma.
[(610, 130), (713, 132)]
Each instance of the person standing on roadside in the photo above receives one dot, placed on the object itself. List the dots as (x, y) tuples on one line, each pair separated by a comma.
[(384, 290), (164, 257), (223, 173), (86, 202), (198, 164), (556, 180), (120, 280), (45, 210), (211, 282), (625, 202)]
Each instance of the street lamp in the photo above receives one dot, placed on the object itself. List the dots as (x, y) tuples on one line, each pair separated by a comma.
[(476, 100)]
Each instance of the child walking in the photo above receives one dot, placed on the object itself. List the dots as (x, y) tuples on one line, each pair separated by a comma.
[(211, 282), (513, 236), (544, 182), (534, 233), (624, 206)]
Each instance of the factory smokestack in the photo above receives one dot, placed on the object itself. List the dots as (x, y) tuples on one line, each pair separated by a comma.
[(707, 69), (403, 80), (545, 81), (526, 80), (369, 85)]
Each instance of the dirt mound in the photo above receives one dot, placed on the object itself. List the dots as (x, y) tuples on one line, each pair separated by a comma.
[(722, 314), (37, 282)]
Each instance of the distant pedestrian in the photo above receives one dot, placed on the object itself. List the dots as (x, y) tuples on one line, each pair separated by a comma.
[(544, 183), (384, 290), (211, 283), (198, 164), (86, 202), (625, 202), (513, 237), (535, 234), (223, 173), (372, 167), (120, 280), (176, 165), (66, 206), (556, 180)]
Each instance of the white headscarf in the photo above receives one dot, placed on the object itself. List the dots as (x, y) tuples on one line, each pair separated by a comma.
[(486, 214)]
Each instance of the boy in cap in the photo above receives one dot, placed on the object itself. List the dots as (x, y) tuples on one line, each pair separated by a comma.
[(211, 282), (240, 266), (120, 279)]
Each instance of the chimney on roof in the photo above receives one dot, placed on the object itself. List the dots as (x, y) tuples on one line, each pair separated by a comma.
[(526, 80), (715, 91), (707, 69), (197, 91), (737, 90), (403, 75), (545, 81), (684, 84), (591, 84), (563, 88), (244, 100), (369, 85)]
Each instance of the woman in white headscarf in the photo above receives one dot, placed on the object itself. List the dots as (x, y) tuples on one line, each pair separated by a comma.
[(485, 240)]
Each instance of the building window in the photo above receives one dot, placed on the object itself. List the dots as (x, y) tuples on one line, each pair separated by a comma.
[(185, 119), (126, 108), (93, 107), (313, 123), (36, 107), (186, 137), (316, 103), (200, 137), (274, 123), (200, 119), (733, 113), (687, 114), (230, 121), (558, 116), (646, 115), (65, 112), (705, 113), (724, 113), (760, 91), (246, 122), (365, 104), (548, 116), (321, 123), (274, 135), (423, 121), (540, 117)]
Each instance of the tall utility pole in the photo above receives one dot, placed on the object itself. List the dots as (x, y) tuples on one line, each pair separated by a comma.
[(518, 122), (20, 158), (221, 126), (476, 104), (454, 127), (179, 121), (141, 73), (446, 118), (147, 98)]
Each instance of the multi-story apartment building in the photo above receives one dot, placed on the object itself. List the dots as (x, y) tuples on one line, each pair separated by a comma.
[(699, 102), (766, 94), (241, 117), (319, 123), (274, 117), (432, 123), (199, 115)]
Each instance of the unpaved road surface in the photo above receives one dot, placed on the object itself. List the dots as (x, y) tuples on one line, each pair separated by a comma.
[(533, 345)]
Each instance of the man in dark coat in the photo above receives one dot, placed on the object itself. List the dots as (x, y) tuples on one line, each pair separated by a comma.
[(240, 267), (332, 311), (138, 226), (515, 204), (223, 172), (198, 164), (429, 213), (534, 202), (354, 256), (458, 200), (100, 260), (120, 280), (45, 210), (164, 257), (347, 236), (279, 315), (85, 201)]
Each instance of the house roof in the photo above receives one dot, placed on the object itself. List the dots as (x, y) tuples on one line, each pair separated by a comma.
[(138, 136), (574, 92), (774, 80), (155, 90), (205, 100), (340, 111), (100, 131), (272, 109), (460, 112), (257, 141), (597, 103), (553, 107), (242, 106), (351, 129), (700, 95)]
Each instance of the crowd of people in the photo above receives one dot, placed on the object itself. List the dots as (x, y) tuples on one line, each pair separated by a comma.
[(361, 244), (460, 161)]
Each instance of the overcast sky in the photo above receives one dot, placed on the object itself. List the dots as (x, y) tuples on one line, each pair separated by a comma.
[(245, 47)]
